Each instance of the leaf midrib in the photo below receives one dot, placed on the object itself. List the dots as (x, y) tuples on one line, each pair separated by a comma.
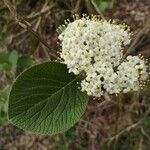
[(48, 97)]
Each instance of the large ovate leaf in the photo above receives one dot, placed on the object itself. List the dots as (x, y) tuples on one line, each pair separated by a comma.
[(45, 99)]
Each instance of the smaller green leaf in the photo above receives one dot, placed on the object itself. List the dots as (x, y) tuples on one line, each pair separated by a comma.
[(3, 57), (24, 62), (13, 58), (4, 104), (104, 4), (5, 93), (6, 67)]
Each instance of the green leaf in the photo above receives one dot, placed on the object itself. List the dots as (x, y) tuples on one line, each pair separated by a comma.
[(45, 99), (6, 67), (25, 62), (104, 4), (4, 94), (4, 105), (3, 57), (13, 58)]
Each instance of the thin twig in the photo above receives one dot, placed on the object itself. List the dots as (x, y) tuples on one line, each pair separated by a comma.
[(145, 134), (129, 128), (77, 6), (40, 17), (102, 106), (107, 97), (3, 8), (107, 100), (26, 25), (138, 39), (48, 8), (97, 9)]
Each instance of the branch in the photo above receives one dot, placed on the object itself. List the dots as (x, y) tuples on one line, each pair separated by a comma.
[(129, 128), (97, 9), (26, 25), (77, 6), (138, 39), (33, 16)]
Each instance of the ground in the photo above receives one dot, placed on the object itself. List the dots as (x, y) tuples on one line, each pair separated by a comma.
[(103, 120)]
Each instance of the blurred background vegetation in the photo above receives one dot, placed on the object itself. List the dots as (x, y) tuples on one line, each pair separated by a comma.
[(116, 124)]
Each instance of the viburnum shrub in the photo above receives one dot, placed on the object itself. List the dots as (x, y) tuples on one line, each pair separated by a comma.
[(51, 97)]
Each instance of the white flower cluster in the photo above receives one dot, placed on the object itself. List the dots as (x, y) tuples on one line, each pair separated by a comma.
[(102, 77), (96, 48), (85, 41)]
